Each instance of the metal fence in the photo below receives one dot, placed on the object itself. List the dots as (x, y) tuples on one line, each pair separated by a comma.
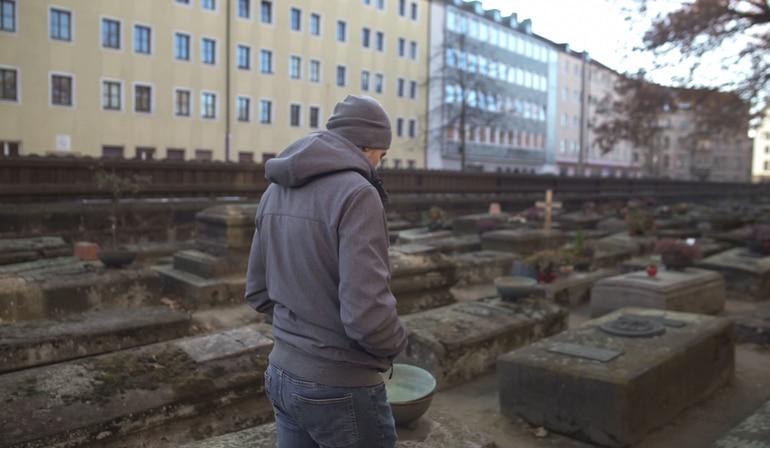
[(48, 179)]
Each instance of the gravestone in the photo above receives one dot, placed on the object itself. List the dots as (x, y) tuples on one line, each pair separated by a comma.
[(549, 205), (579, 220), (754, 431), (612, 225), (215, 272), (522, 241), (746, 273), (636, 245), (482, 266), (422, 235), (611, 388), (13, 251), (421, 277), (691, 290), (573, 289), (458, 342), (470, 224), (456, 244)]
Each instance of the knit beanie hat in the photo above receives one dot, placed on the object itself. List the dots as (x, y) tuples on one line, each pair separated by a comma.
[(363, 121)]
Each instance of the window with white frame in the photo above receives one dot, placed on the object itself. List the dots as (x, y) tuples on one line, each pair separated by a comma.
[(266, 61), (314, 117), (112, 95), (208, 105), (295, 67), (315, 71), (380, 41), (400, 127), (210, 5), (243, 56), (265, 111), (413, 50), (142, 98), (380, 4), (182, 46), (366, 37), (315, 24), (60, 24), (111, 34), (412, 128), (243, 109), (295, 111), (182, 102), (400, 82), (208, 51), (342, 31), (266, 11), (413, 89), (8, 15), (295, 19), (9, 84), (341, 75), (414, 11), (365, 80), (61, 90), (244, 9), (402, 8), (142, 39), (401, 47), (379, 81)]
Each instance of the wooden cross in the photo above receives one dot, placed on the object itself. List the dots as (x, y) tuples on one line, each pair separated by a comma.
[(548, 205)]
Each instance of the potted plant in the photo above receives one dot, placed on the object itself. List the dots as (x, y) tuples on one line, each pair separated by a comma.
[(582, 252), (546, 262), (758, 238), (435, 219), (677, 254), (117, 256), (639, 222)]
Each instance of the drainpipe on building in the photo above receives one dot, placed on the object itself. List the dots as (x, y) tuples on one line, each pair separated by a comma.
[(227, 82)]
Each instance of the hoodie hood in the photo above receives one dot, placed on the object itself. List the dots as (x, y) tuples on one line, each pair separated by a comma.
[(317, 154)]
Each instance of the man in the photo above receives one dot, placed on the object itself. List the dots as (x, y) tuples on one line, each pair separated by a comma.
[(319, 269)]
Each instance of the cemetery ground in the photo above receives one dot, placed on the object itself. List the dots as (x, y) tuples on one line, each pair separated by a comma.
[(614, 345)]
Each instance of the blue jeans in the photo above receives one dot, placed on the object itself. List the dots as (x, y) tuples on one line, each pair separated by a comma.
[(308, 414)]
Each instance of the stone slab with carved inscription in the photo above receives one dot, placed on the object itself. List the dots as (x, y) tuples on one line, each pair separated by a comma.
[(746, 273)]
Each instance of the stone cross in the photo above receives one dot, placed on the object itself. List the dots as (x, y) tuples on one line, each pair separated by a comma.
[(548, 205)]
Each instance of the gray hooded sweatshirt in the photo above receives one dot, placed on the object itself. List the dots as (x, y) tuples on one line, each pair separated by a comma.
[(319, 264)]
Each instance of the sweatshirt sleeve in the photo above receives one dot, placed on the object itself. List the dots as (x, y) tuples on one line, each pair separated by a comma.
[(256, 287), (367, 305)]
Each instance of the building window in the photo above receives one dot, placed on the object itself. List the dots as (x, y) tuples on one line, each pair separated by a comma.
[(315, 24), (341, 75), (401, 47), (400, 127), (184, 2), (380, 41), (400, 87), (111, 93), (61, 90), (208, 105), (174, 154), (366, 37), (414, 10), (182, 46), (266, 12), (412, 128), (294, 115), (182, 106), (211, 5), (243, 109), (142, 98), (413, 50), (208, 51), (142, 39), (244, 9), (295, 67), (295, 19), (315, 113), (378, 82), (381, 4), (266, 61), (402, 8), (245, 157), (315, 71), (145, 153), (112, 152), (111, 34), (8, 15), (203, 155), (365, 80), (10, 88), (413, 89), (244, 57), (265, 111), (342, 31), (60, 25)]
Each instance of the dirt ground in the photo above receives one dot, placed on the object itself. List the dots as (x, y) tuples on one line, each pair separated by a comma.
[(476, 403)]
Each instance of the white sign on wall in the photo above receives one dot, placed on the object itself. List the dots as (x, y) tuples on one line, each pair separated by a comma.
[(62, 142)]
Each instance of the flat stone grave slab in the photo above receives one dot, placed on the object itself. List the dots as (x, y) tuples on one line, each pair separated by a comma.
[(613, 390), (469, 224), (460, 341), (522, 241), (421, 277), (746, 273), (31, 249), (678, 233), (610, 257), (482, 266), (573, 289), (456, 244), (753, 431), (578, 220), (753, 326), (636, 245), (422, 235), (693, 290), (34, 343), (612, 225), (588, 234)]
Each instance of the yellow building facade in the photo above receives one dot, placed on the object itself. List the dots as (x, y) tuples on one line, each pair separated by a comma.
[(233, 80)]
